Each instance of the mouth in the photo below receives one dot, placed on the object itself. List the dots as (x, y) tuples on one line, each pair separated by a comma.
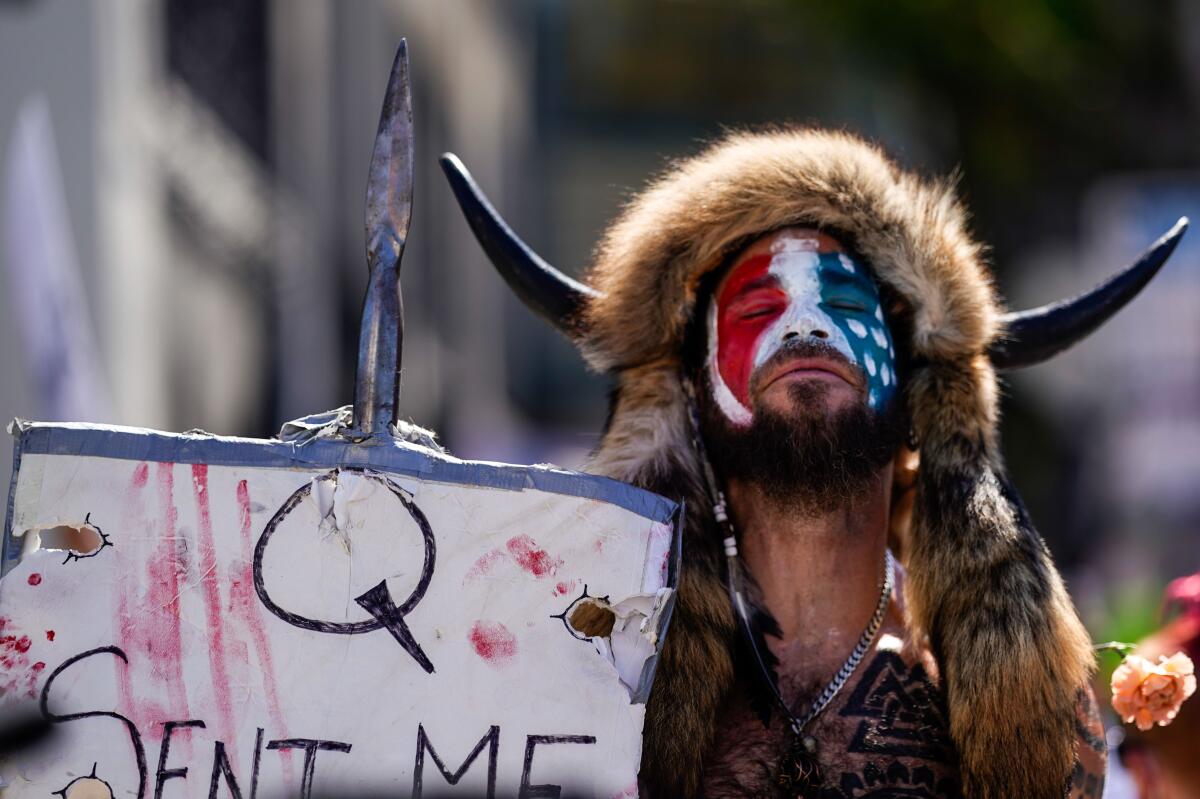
[(811, 369)]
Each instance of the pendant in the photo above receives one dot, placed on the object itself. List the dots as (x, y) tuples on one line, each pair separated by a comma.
[(799, 774)]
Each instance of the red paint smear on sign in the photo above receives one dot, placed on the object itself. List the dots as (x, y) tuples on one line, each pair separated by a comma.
[(16, 675), (35, 579), (209, 583), (158, 625), (629, 793), (484, 564), (133, 612), (565, 587), (244, 603), (493, 642), (49, 635), (524, 550)]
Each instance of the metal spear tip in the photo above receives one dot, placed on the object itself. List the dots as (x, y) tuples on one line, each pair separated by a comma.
[(390, 182), (388, 212)]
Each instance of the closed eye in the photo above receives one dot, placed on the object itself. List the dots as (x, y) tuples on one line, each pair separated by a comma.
[(758, 304), (848, 305), (759, 312)]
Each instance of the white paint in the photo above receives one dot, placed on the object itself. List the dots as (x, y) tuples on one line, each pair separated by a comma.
[(345, 537), (796, 265), (879, 312), (870, 363), (846, 263), (880, 337), (857, 328), (887, 375)]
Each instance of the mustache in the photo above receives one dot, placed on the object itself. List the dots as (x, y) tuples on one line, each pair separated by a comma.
[(806, 348)]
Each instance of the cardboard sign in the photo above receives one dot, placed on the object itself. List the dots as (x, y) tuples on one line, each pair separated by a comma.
[(213, 617)]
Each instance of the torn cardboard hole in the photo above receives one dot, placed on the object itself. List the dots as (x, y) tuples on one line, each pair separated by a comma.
[(625, 632), (592, 618), (82, 540)]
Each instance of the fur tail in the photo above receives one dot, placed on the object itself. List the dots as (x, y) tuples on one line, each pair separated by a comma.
[(1012, 652)]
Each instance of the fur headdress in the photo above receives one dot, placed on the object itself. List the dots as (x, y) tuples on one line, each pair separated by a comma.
[(982, 589)]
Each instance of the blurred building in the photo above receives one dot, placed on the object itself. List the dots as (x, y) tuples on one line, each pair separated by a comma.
[(214, 159)]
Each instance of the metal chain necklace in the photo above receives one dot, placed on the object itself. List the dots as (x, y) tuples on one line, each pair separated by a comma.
[(801, 773), (856, 655)]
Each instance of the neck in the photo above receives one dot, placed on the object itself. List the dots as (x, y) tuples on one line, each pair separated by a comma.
[(819, 574)]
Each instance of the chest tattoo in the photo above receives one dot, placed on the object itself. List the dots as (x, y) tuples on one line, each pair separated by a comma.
[(886, 737), (901, 713), (901, 728)]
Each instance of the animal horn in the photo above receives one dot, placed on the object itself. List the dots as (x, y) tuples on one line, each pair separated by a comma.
[(548, 292), (1038, 334)]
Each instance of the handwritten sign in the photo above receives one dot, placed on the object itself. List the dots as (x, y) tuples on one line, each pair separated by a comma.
[(212, 617)]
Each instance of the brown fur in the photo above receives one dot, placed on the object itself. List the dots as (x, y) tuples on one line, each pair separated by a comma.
[(1011, 650)]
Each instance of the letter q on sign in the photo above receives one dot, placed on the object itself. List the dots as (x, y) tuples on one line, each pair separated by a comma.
[(367, 540)]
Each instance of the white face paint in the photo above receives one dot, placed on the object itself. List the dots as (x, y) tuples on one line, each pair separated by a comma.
[(803, 287), (795, 263)]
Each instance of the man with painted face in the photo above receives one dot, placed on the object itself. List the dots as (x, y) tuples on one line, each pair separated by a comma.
[(802, 422), (800, 372), (805, 342)]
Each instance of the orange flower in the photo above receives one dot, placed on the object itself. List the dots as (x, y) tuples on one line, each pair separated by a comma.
[(1146, 693)]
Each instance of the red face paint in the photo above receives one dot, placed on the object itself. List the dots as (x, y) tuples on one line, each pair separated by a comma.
[(747, 304)]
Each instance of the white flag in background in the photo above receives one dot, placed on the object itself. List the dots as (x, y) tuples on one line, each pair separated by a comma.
[(45, 289)]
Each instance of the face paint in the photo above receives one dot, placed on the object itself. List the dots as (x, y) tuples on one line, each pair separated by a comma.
[(804, 286)]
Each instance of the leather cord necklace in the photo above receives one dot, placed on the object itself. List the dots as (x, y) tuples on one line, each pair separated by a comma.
[(798, 773)]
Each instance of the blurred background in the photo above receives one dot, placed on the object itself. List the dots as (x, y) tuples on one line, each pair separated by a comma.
[(182, 186)]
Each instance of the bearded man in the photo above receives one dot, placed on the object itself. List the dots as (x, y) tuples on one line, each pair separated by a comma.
[(804, 339)]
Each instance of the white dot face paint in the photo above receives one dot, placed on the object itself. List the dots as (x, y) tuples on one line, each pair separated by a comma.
[(805, 286)]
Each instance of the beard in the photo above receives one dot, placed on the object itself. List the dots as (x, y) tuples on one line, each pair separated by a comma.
[(806, 459)]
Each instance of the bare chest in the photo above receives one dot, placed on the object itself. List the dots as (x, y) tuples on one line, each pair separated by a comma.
[(883, 736)]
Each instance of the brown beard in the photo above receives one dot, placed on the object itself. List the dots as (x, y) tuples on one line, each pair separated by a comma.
[(806, 459)]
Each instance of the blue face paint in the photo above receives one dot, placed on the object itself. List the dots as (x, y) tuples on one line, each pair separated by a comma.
[(851, 299), (805, 286)]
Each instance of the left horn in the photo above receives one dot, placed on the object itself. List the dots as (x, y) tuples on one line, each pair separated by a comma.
[(1039, 334), (548, 292)]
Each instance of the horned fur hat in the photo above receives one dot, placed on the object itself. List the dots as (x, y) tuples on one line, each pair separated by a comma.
[(982, 589)]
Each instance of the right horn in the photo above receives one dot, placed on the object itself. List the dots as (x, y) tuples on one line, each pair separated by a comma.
[(1033, 336), (548, 292)]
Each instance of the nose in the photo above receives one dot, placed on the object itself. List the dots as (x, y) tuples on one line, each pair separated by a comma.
[(816, 332)]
